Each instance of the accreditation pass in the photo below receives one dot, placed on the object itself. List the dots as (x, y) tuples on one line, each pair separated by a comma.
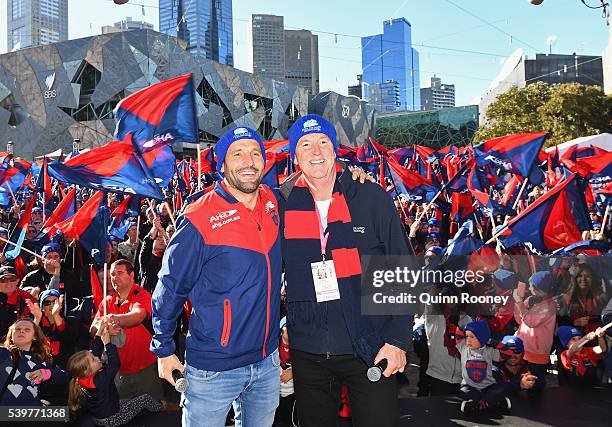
[(34, 413), (325, 282)]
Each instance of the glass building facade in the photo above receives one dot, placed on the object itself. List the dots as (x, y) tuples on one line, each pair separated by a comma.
[(206, 26), (390, 57), (36, 22), (436, 129)]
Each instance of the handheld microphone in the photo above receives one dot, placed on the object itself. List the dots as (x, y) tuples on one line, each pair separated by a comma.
[(180, 382), (375, 372)]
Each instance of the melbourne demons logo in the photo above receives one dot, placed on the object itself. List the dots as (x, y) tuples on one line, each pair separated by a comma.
[(476, 370)]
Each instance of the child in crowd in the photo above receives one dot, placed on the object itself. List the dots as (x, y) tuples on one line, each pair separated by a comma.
[(48, 315), (286, 415), (578, 361), (513, 372), (479, 389), (25, 363), (14, 302), (536, 316), (93, 389)]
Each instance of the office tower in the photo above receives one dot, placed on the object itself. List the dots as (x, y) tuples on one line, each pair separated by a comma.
[(36, 22)]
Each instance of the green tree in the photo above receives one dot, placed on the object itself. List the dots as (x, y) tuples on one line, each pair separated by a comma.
[(566, 111)]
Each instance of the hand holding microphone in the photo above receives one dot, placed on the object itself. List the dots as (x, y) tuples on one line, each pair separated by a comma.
[(389, 360), (375, 372), (180, 382), (171, 369)]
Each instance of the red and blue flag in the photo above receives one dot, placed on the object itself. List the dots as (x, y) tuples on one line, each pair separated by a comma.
[(515, 153), (160, 114), (13, 249), (89, 225), (553, 221), (114, 167)]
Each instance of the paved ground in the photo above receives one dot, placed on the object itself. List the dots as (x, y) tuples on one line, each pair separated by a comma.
[(560, 406)]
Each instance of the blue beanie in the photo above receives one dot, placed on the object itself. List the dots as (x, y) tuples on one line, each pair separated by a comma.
[(566, 333), (433, 222), (232, 136), (542, 280), (434, 235), (481, 331), (513, 342), (310, 123), (505, 279), (51, 247), (434, 250), (48, 293)]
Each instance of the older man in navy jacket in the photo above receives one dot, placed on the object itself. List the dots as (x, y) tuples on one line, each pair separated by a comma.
[(329, 222)]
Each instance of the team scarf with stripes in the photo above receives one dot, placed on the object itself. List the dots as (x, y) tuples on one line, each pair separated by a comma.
[(302, 246)]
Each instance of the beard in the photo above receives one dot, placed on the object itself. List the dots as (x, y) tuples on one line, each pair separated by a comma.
[(233, 178)]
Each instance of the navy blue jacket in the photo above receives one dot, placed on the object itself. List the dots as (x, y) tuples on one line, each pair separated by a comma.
[(377, 230), (226, 259)]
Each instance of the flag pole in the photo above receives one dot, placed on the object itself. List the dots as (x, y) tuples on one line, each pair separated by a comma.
[(604, 223), (12, 194), (171, 215), (105, 287), (137, 237), (199, 167), (515, 204), (22, 248)]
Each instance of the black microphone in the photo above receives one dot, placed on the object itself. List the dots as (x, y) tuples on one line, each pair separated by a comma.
[(375, 372), (180, 382)]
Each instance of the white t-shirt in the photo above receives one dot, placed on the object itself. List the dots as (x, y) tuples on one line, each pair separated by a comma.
[(323, 208)]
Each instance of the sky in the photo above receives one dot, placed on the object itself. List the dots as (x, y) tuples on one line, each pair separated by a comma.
[(464, 42)]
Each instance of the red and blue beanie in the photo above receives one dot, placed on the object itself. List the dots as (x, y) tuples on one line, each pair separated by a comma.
[(310, 123), (542, 280), (512, 342), (566, 333), (481, 331), (49, 248), (232, 136)]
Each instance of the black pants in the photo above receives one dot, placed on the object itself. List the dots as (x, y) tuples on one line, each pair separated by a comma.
[(318, 382), (540, 372), (442, 388), (285, 413), (492, 394)]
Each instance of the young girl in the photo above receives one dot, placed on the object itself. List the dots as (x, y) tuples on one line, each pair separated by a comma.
[(48, 315), (536, 316), (25, 362), (92, 386)]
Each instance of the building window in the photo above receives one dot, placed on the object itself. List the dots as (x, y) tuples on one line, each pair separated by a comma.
[(18, 8), (17, 38), (49, 8), (48, 36)]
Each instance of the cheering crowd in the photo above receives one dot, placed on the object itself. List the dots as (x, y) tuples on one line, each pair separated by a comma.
[(253, 293)]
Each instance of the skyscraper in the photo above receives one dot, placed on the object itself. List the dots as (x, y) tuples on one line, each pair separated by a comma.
[(390, 57), (36, 22), (438, 95), (267, 40), (206, 26), (302, 59)]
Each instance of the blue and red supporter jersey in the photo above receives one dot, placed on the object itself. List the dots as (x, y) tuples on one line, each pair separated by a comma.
[(227, 260)]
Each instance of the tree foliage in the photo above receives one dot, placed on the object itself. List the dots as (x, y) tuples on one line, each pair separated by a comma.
[(566, 111)]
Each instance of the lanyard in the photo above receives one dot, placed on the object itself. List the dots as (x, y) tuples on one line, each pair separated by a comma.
[(323, 236)]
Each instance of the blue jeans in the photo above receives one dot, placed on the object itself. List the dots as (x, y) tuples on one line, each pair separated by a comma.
[(253, 390)]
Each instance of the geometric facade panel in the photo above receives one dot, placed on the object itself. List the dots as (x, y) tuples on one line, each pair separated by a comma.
[(53, 93)]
